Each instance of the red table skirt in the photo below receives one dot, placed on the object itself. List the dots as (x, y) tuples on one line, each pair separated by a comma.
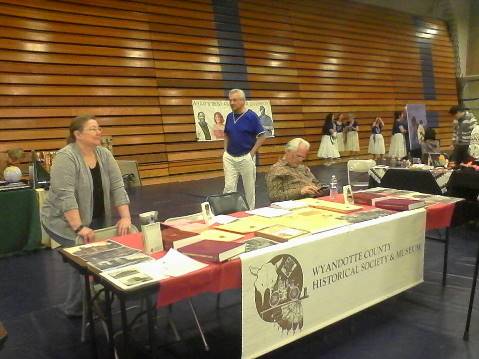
[(220, 277), (213, 278)]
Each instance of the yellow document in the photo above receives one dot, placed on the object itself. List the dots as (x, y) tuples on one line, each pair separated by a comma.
[(249, 224)]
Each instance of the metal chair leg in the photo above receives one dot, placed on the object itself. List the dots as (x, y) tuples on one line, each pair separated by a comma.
[(218, 300), (471, 299), (83, 319), (172, 323), (207, 348), (446, 254)]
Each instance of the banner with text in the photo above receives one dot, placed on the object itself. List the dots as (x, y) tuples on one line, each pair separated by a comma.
[(296, 288), (210, 117)]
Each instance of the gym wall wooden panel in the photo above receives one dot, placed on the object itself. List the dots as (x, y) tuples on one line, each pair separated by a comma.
[(137, 65)]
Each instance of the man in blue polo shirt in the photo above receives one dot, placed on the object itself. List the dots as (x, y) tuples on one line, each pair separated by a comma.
[(244, 135)]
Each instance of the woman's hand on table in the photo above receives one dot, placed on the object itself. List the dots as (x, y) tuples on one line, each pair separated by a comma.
[(123, 226), (87, 234)]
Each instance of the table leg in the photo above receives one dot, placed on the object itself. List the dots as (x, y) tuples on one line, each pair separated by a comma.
[(109, 324), (124, 326), (151, 316), (90, 316), (446, 254), (471, 299)]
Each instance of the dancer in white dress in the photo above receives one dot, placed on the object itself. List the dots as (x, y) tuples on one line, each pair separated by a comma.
[(397, 148), (339, 133), (328, 148), (376, 140), (352, 137)]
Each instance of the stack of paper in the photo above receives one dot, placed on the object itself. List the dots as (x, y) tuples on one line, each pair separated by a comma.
[(224, 219), (269, 212), (173, 264), (289, 205)]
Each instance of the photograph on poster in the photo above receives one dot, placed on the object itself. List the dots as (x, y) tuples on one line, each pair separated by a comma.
[(417, 124)]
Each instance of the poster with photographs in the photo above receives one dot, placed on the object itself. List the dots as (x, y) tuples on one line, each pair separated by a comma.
[(210, 117), (417, 124)]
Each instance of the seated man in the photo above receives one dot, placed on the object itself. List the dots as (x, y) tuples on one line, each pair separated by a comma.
[(289, 178)]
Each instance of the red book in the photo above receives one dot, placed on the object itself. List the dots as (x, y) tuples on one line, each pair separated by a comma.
[(366, 198), (398, 204), (213, 251), (171, 234)]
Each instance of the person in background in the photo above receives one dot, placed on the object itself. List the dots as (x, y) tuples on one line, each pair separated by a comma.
[(339, 125), (13, 157), (244, 135), (429, 145), (289, 178), (397, 148), (85, 183), (352, 137), (376, 140), (219, 127), (327, 148), (463, 124)]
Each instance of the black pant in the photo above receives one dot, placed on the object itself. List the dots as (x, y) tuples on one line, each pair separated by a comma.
[(460, 154)]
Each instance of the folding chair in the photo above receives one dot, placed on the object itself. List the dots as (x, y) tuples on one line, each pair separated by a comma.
[(359, 166), (227, 203), (129, 172)]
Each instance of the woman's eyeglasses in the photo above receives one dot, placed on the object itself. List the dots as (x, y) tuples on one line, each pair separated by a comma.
[(94, 129)]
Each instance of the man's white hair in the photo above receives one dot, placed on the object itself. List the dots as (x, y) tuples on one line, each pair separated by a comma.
[(295, 143), (240, 91)]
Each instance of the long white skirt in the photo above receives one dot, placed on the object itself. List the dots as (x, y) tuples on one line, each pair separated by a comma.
[(376, 145), (397, 148), (340, 141), (328, 148), (352, 141)]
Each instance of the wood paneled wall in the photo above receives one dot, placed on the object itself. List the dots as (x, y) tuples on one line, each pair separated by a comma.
[(137, 65)]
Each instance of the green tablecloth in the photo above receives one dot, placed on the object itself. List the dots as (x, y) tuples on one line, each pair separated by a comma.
[(19, 221)]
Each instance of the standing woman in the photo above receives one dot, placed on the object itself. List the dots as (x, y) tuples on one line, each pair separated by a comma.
[(352, 138), (376, 140), (85, 182), (339, 132), (327, 148), (397, 148)]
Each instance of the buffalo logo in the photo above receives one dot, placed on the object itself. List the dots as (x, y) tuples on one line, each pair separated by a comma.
[(279, 291)]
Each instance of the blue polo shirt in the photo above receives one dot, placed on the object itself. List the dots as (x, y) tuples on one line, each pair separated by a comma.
[(242, 131)]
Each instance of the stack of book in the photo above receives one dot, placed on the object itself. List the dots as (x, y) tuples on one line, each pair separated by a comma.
[(213, 251)]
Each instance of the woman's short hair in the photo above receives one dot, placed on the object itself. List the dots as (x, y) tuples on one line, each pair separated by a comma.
[(77, 124)]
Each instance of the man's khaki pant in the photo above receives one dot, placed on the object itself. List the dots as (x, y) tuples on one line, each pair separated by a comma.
[(244, 166)]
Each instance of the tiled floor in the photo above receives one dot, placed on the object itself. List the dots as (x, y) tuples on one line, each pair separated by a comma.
[(425, 323)]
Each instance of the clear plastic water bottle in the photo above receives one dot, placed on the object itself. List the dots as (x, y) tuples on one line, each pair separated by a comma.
[(333, 187)]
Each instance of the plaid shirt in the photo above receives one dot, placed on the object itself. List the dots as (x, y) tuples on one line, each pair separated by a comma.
[(463, 128), (285, 182)]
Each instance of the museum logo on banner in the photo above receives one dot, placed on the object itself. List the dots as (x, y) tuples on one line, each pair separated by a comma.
[(279, 290)]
